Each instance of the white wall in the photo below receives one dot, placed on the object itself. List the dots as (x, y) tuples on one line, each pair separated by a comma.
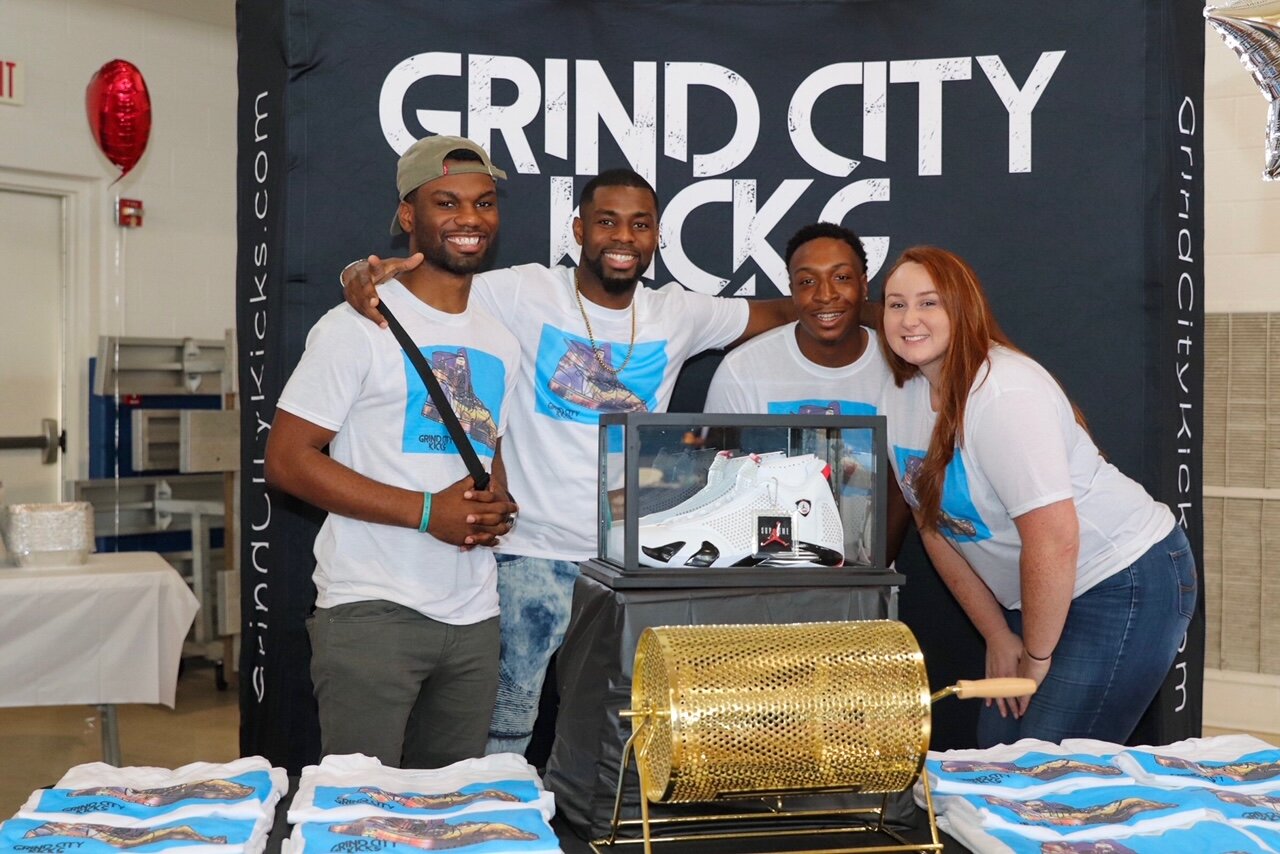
[(175, 276), (1242, 212)]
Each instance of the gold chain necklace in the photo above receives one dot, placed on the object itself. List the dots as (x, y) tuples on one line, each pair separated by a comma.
[(577, 292)]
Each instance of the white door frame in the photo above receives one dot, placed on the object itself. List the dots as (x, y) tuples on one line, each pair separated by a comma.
[(82, 311)]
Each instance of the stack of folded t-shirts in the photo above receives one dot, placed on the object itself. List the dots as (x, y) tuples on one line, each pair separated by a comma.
[(492, 804), (1199, 795), (204, 808)]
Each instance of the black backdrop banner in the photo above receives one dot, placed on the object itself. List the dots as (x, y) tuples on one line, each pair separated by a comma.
[(1056, 146)]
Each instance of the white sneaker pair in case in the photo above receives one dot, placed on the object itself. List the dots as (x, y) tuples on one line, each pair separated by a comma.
[(755, 510)]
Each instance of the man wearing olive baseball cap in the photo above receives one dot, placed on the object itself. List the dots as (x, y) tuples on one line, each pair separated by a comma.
[(405, 635), (434, 157)]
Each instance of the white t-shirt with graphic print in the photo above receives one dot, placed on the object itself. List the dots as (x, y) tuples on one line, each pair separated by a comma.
[(1022, 450), (769, 374), (353, 378), (551, 453)]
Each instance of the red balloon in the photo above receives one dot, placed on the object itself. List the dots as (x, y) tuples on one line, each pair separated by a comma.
[(119, 109)]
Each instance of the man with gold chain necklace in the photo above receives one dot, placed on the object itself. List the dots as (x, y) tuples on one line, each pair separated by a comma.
[(591, 342)]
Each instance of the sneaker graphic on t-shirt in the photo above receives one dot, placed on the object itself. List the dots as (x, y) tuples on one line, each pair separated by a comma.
[(474, 381), (958, 525), (122, 837), (1050, 769), (422, 800), (1061, 814), (453, 370), (580, 379), (570, 383), (1236, 772), (1269, 804), (220, 790), (433, 833)]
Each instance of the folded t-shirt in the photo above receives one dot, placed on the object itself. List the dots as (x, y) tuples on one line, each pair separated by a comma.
[(353, 786), (495, 832), (1205, 837), (191, 835), (96, 792), (1241, 763)]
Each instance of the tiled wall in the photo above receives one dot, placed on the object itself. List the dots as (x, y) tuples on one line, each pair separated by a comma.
[(1242, 492)]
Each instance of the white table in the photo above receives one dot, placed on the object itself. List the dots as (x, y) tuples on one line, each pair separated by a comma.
[(105, 632)]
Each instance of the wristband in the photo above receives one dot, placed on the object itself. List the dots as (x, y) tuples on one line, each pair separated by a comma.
[(426, 513), (1036, 657), (341, 283)]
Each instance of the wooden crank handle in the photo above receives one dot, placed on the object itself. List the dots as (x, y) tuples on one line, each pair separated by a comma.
[(1004, 687), (967, 689)]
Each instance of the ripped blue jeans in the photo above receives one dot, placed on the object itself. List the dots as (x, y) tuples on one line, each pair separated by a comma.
[(534, 598)]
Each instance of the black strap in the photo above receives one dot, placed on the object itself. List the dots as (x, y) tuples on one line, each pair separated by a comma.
[(439, 398)]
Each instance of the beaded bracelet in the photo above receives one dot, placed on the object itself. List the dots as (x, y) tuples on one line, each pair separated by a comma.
[(426, 512)]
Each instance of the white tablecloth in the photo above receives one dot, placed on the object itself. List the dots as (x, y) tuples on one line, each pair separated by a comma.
[(109, 631)]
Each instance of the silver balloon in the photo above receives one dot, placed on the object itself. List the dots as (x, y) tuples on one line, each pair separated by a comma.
[(1251, 28)]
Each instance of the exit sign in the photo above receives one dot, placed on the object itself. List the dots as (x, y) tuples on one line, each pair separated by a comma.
[(10, 81)]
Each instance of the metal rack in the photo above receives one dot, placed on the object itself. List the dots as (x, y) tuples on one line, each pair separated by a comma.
[(204, 446)]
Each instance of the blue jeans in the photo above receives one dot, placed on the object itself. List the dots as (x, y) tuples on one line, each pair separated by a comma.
[(534, 597), (1117, 646)]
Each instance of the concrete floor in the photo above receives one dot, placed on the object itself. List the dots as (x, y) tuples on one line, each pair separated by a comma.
[(38, 745)]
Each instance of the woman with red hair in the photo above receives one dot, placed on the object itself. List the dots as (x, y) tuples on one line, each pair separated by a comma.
[(1072, 573)]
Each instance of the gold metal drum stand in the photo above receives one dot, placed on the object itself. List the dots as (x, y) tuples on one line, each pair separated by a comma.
[(770, 712)]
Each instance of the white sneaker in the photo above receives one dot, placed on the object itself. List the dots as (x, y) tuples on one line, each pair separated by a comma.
[(779, 512), (722, 475)]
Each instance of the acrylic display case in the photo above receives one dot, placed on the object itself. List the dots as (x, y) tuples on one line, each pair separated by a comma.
[(714, 500)]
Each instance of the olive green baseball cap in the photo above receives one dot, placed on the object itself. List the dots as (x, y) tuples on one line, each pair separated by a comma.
[(425, 161)]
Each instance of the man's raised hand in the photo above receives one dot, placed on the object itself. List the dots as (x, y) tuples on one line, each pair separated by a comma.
[(360, 282)]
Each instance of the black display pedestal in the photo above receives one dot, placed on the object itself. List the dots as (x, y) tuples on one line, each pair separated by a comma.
[(594, 668)]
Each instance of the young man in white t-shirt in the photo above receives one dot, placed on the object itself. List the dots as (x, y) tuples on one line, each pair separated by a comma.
[(405, 634), (825, 362), (592, 342)]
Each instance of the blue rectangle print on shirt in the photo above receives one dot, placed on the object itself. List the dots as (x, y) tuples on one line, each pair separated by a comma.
[(474, 382), (71, 837), (155, 803), (572, 385), (493, 793), (1089, 812), (857, 441), (1031, 770), (959, 519), (477, 833), (1255, 770), (1204, 837)]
